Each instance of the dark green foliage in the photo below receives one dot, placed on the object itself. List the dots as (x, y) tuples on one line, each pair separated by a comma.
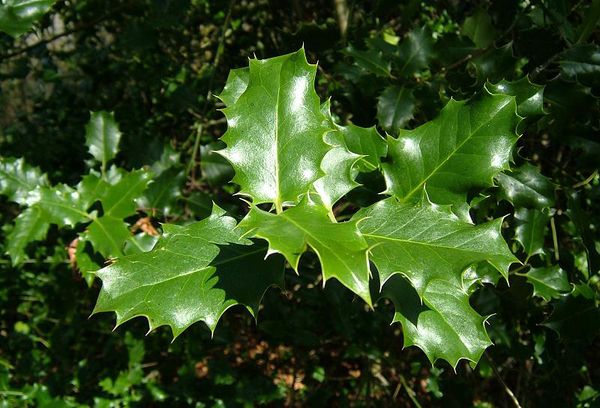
[(73, 198)]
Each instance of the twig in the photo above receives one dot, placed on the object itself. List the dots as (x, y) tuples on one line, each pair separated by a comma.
[(587, 180), (506, 388), (410, 392), (554, 239)]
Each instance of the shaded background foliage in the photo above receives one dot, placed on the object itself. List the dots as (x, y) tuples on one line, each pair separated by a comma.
[(156, 63)]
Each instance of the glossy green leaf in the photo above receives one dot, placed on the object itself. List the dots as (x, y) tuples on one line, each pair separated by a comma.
[(18, 179), (395, 108), (30, 225), (108, 235), (582, 63), (445, 326), (427, 243), (415, 52), (337, 165), (61, 204), (430, 247), (216, 170), (340, 247), (18, 16), (526, 187), (195, 273), (275, 131), (531, 229), (366, 142), (236, 84), (85, 262), (479, 28), (119, 199), (459, 151), (494, 65), (549, 283), (529, 96), (102, 137)]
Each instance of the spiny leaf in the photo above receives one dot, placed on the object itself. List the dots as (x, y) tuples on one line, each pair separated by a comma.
[(427, 243), (108, 235), (102, 137), (193, 274), (395, 108), (18, 179), (494, 64), (18, 16), (582, 63), (415, 51), (529, 96), (340, 247), (530, 230), (444, 326), (164, 191), (61, 204), (430, 247), (577, 316), (31, 225), (526, 187), (337, 165), (119, 199), (366, 142), (461, 150), (549, 283), (275, 131)]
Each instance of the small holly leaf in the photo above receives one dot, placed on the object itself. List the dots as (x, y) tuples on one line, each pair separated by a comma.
[(237, 82), (479, 28), (85, 262), (195, 273), (370, 60), (526, 187), (119, 199), (366, 142), (459, 151), (582, 63), (91, 188), (18, 16), (445, 326), (577, 316), (340, 247), (102, 137), (531, 229), (275, 131), (30, 225), (549, 283), (337, 165), (18, 179), (529, 97), (415, 52), (395, 108), (428, 243)]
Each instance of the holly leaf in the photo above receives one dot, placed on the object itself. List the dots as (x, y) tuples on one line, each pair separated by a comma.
[(340, 247), (371, 61), (582, 63), (164, 191), (459, 151), (237, 82), (427, 243), (529, 96), (494, 64), (61, 204), (215, 169), (415, 52), (337, 165), (365, 142), (577, 316), (30, 225), (102, 137), (119, 199), (432, 248), (526, 187), (395, 108), (445, 327), (275, 131), (530, 230), (18, 179), (479, 28), (195, 273), (18, 16), (549, 283)]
